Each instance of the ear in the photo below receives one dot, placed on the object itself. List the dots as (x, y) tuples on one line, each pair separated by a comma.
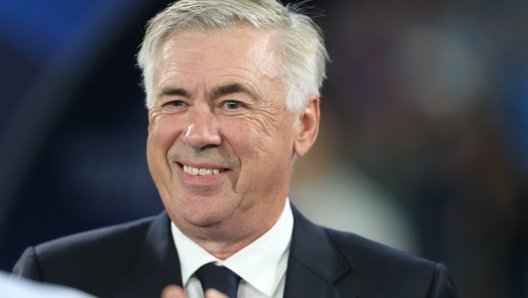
[(309, 126)]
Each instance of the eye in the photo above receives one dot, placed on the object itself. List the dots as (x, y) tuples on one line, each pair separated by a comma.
[(232, 105), (176, 103)]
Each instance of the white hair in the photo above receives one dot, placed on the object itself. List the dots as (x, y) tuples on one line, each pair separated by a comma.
[(300, 45)]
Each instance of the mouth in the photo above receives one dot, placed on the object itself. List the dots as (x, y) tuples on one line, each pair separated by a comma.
[(201, 171)]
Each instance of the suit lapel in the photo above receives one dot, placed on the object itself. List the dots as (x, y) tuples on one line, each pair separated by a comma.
[(154, 265), (314, 265)]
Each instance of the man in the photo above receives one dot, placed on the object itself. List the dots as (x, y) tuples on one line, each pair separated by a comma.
[(233, 98)]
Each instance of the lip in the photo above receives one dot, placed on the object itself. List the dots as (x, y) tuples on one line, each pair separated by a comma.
[(198, 179), (201, 165)]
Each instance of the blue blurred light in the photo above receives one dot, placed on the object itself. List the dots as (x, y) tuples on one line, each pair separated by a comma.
[(36, 29)]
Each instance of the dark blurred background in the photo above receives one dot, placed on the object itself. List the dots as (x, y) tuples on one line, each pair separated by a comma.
[(423, 144)]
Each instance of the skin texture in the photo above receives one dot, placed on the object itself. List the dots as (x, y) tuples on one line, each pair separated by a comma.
[(219, 104)]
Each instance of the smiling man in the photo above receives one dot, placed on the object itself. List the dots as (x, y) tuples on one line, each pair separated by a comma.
[(221, 138), (233, 99)]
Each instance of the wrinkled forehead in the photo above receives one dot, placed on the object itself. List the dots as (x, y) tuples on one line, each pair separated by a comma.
[(198, 50)]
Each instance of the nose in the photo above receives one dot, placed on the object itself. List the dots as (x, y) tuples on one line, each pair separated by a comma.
[(202, 131)]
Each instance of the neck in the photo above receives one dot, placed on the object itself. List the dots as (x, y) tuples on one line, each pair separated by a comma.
[(223, 250), (224, 240)]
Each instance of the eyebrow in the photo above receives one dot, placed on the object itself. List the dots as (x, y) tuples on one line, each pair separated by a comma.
[(229, 89), (216, 92), (174, 91)]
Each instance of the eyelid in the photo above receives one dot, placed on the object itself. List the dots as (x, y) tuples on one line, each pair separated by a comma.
[(174, 105), (170, 102), (241, 103)]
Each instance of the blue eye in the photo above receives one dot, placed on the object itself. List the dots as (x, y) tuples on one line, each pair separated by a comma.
[(176, 103), (232, 105)]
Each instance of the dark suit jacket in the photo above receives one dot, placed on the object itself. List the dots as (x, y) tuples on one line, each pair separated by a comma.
[(139, 259)]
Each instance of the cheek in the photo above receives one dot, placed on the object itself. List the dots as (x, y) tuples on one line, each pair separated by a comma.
[(250, 139), (260, 140), (163, 132), (161, 136)]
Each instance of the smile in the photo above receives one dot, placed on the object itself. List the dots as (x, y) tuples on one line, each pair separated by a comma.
[(201, 171)]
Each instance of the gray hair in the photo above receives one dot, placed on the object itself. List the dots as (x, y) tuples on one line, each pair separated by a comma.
[(300, 44)]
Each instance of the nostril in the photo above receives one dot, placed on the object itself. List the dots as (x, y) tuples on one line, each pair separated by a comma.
[(208, 146)]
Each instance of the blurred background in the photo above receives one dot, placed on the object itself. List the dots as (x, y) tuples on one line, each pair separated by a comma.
[(423, 144)]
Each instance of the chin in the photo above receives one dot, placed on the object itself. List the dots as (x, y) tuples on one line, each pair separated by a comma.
[(204, 220)]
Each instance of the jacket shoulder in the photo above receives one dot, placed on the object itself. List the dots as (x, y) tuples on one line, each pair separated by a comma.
[(344, 264), (94, 261), (122, 236), (350, 245), (379, 270)]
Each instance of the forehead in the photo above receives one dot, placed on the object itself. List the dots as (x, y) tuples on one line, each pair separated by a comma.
[(197, 50)]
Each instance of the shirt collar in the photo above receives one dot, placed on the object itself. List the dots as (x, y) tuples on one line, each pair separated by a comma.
[(261, 264)]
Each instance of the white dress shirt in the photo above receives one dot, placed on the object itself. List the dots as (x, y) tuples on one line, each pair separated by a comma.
[(261, 265)]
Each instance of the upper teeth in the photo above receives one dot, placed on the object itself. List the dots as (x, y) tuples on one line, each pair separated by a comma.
[(200, 171)]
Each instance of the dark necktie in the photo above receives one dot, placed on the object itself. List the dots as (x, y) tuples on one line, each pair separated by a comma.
[(219, 278)]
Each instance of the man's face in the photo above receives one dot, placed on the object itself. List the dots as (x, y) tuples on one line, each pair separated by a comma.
[(221, 142)]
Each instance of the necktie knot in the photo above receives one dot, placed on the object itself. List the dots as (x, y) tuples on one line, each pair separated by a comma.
[(219, 278)]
